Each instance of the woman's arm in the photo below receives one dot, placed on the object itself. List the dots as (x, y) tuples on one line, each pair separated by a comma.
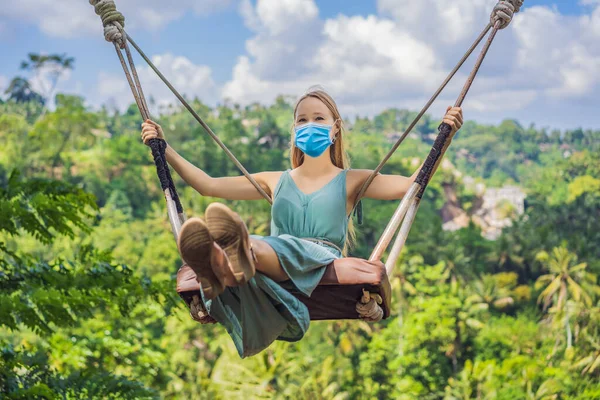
[(394, 187), (230, 188), (383, 187)]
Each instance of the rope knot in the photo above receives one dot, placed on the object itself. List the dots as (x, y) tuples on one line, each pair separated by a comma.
[(199, 313), (504, 12), (369, 307), (112, 20)]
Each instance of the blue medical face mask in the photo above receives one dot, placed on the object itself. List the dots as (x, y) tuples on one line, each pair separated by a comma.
[(313, 139)]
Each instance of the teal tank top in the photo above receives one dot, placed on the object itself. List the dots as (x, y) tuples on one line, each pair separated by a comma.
[(319, 215)]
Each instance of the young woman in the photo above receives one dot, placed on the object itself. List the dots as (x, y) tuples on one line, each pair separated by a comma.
[(310, 225)]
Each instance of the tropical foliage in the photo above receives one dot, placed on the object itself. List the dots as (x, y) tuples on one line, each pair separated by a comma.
[(88, 306)]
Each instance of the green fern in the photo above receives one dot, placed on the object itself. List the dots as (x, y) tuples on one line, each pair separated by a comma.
[(49, 296), (43, 207)]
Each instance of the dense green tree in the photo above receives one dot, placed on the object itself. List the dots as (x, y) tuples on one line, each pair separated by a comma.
[(19, 90)]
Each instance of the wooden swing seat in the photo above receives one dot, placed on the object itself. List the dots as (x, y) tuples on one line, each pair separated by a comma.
[(337, 294)]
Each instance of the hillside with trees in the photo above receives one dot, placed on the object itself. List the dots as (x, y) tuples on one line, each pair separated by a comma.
[(88, 307)]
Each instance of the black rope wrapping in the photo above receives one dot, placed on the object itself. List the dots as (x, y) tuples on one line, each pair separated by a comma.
[(358, 212), (444, 131), (158, 147)]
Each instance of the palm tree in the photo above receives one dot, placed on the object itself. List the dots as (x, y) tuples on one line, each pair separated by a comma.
[(489, 291), (252, 377), (467, 318), (565, 278), (473, 382), (456, 263), (19, 90), (47, 70), (591, 362), (548, 390)]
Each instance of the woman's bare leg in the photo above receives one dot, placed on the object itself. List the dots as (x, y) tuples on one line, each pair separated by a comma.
[(267, 261)]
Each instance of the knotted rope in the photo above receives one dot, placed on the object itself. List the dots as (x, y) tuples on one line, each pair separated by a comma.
[(504, 12), (199, 313), (369, 307), (112, 20)]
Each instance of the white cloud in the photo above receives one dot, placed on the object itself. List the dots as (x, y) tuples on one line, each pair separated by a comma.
[(500, 100), (439, 20), (398, 57), (559, 54), (543, 53), (113, 89), (363, 50), (359, 59), (189, 79), (62, 19), (73, 18), (275, 15)]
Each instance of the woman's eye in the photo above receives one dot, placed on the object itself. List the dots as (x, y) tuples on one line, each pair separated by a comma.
[(320, 119), (301, 120)]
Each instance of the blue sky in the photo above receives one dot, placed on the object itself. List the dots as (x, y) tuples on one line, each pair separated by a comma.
[(261, 39)]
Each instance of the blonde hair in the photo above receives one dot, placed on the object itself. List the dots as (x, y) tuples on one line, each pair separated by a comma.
[(337, 151)]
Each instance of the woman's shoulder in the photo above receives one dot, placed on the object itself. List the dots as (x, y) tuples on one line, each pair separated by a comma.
[(271, 178), (359, 175), (356, 177), (271, 175)]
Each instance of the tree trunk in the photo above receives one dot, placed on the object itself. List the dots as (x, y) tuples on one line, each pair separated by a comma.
[(56, 159)]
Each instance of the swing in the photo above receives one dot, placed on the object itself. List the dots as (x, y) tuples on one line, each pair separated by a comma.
[(351, 288)]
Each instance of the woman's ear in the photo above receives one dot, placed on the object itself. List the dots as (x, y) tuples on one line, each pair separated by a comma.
[(336, 130), (337, 127)]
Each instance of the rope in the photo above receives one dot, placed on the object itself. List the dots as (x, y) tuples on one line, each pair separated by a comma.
[(440, 146), (113, 22), (369, 307), (207, 129), (410, 127), (501, 17), (502, 12), (107, 10)]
